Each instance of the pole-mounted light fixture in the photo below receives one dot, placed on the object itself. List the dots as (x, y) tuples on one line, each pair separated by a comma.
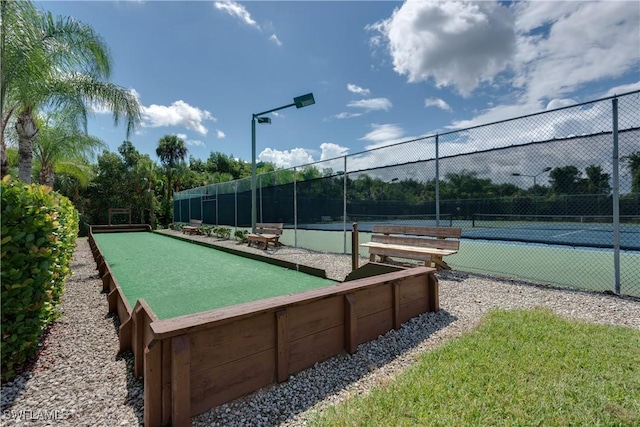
[(547, 169), (298, 102)]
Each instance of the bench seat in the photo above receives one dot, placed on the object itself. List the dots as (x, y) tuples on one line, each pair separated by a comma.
[(266, 233), (193, 227), (428, 244)]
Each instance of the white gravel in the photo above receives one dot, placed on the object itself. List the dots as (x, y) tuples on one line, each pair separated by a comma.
[(79, 379)]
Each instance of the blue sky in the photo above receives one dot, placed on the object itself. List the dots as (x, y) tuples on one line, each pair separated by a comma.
[(381, 72)]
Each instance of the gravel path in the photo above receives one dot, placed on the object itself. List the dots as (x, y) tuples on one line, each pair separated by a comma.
[(79, 379)]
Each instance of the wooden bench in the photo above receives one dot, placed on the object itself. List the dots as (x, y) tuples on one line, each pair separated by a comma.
[(266, 232), (428, 244), (193, 227)]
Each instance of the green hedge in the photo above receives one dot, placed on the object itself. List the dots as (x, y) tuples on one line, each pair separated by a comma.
[(39, 229)]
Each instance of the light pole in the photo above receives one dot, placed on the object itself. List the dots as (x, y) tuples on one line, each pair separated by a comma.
[(547, 169), (299, 102)]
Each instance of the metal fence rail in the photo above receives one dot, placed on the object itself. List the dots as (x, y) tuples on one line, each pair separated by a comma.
[(552, 197)]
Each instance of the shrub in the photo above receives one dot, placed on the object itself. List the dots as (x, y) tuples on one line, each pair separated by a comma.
[(222, 232), (241, 235), (39, 229)]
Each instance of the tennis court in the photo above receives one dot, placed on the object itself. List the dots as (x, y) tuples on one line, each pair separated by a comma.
[(177, 278), (571, 230), (578, 267)]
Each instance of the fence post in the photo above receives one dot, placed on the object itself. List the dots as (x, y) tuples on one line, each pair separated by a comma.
[(344, 206), (437, 181), (260, 197), (235, 191), (616, 199), (355, 247), (295, 208)]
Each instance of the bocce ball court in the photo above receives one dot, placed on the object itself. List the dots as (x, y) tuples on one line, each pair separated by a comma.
[(207, 324)]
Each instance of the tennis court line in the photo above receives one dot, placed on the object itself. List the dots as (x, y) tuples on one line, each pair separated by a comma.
[(569, 233)]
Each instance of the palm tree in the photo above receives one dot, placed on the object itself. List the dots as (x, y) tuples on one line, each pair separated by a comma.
[(171, 151), (54, 63), (60, 147)]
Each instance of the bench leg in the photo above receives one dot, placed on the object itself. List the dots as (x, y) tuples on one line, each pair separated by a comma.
[(440, 264)]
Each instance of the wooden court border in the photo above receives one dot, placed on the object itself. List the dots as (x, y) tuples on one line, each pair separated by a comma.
[(193, 363)]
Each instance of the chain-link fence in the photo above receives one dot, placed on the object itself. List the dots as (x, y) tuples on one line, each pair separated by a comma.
[(552, 197)]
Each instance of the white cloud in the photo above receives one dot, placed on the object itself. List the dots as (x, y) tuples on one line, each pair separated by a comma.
[(237, 10), (346, 115), (178, 113), (619, 90), (548, 51), (275, 39), (286, 159), (383, 135), (303, 156), (357, 89), (577, 49), (559, 103), (190, 142), (437, 102), (331, 150), (454, 43), (194, 142), (220, 134), (372, 104)]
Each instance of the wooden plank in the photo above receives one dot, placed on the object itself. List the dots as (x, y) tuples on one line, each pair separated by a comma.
[(350, 324), (441, 232), (136, 341), (396, 305), (180, 381), (372, 269), (374, 325), (434, 293), (223, 383), (233, 341), (282, 356), (398, 250), (307, 351), (166, 382), (412, 289), (421, 242), (124, 332), (316, 316), (373, 300), (122, 307), (112, 301), (153, 384), (106, 280), (275, 225), (102, 266), (413, 308)]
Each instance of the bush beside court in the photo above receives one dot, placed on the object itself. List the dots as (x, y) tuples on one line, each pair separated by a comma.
[(39, 229)]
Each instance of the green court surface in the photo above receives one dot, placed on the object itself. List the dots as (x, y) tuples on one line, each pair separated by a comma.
[(177, 278)]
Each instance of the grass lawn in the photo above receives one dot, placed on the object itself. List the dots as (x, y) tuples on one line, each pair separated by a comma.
[(525, 368)]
